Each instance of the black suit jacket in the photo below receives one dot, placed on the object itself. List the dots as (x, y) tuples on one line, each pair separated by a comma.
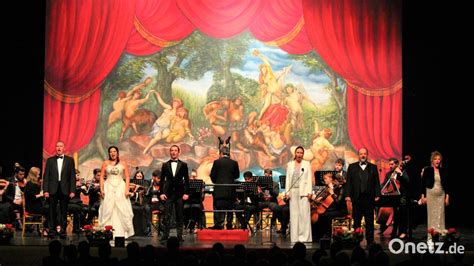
[(352, 187), (177, 184), (51, 176), (427, 179), (224, 171)]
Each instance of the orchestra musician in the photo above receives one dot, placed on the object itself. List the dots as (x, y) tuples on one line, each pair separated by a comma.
[(334, 187), (138, 187), (339, 168), (18, 182), (93, 192), (397, 173), (75, 205), (193, 206), (248, 202), (270, 201), (7, 192), (152, 197), (34, 198)]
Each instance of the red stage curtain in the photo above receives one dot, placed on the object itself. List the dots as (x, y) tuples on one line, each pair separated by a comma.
[(223, 18), (73, 123), (280, 23), (84, 41), (158, 24), (361, 41)]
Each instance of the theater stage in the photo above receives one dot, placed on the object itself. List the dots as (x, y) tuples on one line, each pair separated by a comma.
[(30, 249)]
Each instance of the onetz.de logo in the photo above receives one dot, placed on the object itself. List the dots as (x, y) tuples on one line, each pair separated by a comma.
[(397, 246)]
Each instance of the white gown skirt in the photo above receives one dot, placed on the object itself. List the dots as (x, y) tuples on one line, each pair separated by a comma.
[(116, 210)]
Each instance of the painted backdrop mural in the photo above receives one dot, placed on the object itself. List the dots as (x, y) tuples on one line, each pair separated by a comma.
[(272, 75)]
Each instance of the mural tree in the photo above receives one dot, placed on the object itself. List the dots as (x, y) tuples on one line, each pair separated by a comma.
[(337, 90), (129, 71)]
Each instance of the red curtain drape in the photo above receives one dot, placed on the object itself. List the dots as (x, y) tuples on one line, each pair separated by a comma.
[(73, 123), (280, 23), (85, 39), (220, 19), (157, 24), (361, 41)]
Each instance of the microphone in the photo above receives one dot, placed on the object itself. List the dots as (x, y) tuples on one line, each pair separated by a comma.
[(302, 169)]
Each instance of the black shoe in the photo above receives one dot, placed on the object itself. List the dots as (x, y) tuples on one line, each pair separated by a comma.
[(228, 227), (216, 227)]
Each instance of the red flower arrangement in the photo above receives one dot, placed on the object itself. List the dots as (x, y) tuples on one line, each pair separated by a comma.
[(97, 233), (448, 235), (6, 233)]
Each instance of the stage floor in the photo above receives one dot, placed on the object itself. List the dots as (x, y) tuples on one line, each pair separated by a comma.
[(37, 247)]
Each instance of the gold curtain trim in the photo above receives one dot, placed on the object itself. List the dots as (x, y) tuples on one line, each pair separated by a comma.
[(289, 36), (66, 97), (378, 92), (150, 37)]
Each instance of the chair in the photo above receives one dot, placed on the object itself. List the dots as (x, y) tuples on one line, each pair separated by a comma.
[(30, 218), (156, 221), (265, 218)]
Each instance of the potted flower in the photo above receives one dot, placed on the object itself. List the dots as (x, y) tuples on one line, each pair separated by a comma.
[(97, 235), (448, 236), (348, 237), (6, 233)]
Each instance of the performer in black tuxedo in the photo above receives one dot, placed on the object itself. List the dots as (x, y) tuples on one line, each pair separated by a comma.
[(362, 190), (174, 186), (59, 184), (224, 171)]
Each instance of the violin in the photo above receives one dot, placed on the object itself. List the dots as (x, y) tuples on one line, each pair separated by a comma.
[(3, 183), (21, 183)]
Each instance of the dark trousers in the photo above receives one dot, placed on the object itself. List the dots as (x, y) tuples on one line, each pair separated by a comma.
[(223, 204), (60, 217), (323, 225), (77, 216), (284, 214), (5, 212), (177, 204), (364, 208), (244, 217), (400, 220), (192, 215)]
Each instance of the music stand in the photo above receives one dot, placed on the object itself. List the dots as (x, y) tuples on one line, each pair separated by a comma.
[(282, 181), (249, 188), (196, 185), (265, 182), (318, 176)]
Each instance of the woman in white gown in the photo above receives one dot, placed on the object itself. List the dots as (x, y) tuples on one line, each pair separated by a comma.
[(115, 208)]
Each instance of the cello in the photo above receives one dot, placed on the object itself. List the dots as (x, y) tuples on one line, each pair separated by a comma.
[(323, 199)]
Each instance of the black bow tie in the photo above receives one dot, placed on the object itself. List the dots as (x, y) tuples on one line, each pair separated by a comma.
[(363, 163), (59, 156), (174, 161)]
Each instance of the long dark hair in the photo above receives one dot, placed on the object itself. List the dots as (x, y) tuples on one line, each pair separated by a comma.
[(118, 153), (299, 147)]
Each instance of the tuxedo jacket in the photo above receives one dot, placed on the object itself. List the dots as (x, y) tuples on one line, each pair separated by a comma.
[(177, 184), (353, 184), (224, 171), (51, 176), (427, 179)]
